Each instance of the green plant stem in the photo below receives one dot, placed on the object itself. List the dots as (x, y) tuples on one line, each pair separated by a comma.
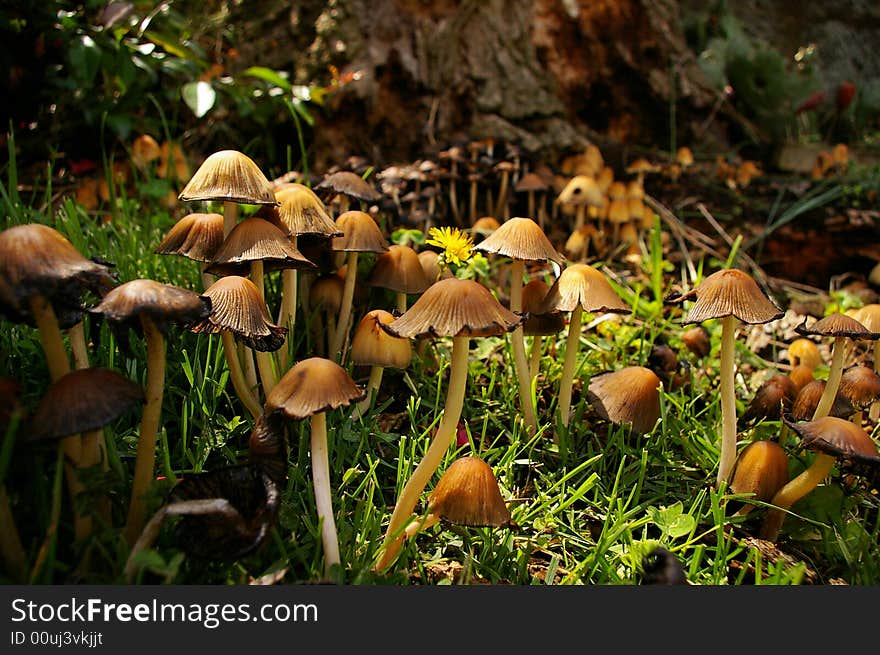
[(150, 419), (835, 372), (236, 375), (572, 344), (793, 491), (323, 496), (341, 330), (728, 400), (520, 361), (443, 438)]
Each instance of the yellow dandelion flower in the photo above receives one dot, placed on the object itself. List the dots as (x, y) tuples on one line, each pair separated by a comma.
[(457, 246)]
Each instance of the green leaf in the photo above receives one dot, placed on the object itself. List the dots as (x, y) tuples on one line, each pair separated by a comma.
[(199, 96), (85, 59), (672, 521), (268, 75)]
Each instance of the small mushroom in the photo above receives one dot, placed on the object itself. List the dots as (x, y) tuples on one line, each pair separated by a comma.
[(775, 396), (399, 270), (760, 470), (630, 395), (374, 347)]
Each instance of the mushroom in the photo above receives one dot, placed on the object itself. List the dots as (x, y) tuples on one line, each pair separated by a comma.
[(148, 307), (581, 192), (630, 395), (861, 386), (730, 295), (832, 439), (196, 236), (310, 389), (537, 324), (807, 400), (533, 185), (579, 288), (522, 240), (461, 309), (804, 351), (399, 269), (347, 186), (775, 395), (869, 316), (325, 299), (374, 347), (760, 470)]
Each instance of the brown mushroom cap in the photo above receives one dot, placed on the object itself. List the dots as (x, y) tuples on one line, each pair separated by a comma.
[(468, 494), (229, 175), (312, 386), (536, 323), (485, 225), (776, 395), (801, 375), (237, 306), (696, 340), (760, 469), (729, 292), (326, 293), (196, 236), (400, 270), (81, 401), (300, 212), (807, 400), (584, 285), (860, 385), (373, 346), (256, 239), (837, 325), (521, 238), (454, 307), (349, 184), (838, 437), (869, 316), (36, 259), (629, 395), (360, 233), (530, 182)]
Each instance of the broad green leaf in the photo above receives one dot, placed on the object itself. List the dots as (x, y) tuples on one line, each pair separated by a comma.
[(671, 520)]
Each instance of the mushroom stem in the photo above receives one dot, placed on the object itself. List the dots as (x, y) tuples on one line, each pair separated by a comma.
[(78, 347), (444, 437), (580, 216), (520, 361), (835, 372), (321, 483), (372, 388), (793, 491), (418, 525), (149, 428), (728, 400), (287, 312), (266, 367), (874, 412), (345, 308), (572, 342), (535, 356), (237, 375), (400, 296), (230, 216)]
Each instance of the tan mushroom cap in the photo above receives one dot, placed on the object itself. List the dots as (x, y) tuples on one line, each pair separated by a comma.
[(81, 401), (400, 270), (869, 316), (521, 238), (349, 184), (642, 165), (360, 233), (326, 293), (860, 385), (229, 175), (430, 263), (468, 494), (804, 351), (629, 395), (729, 292), (581, 190), (313, 386), (776, 395), (531, 182), (536, 323), (838, 437), (236, 306), (760, 469), (196, 236), (373, 346), (584, 285), (837, 325), (684, 157), (300, 212), (454, 307), (164, 303), (256, 239)]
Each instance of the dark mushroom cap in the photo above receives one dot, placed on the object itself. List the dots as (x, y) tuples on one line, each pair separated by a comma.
[(326, 293), (229, 175), (696, 340), (256, 239), (236, 306), (400, 270), (531, 182), (837, 325), (82, 400), (520, 238), (807, 400), (860, 385), (300, 212), (838, 437), (373, 346), (584, 285), (313, 386), (761, 468), (729, 292), (454, 307), (348, 184), (360, 233), (196, 236), (537, 324), (629, 395), (775, 396), (468, 494), (36, 259), (123, 306)]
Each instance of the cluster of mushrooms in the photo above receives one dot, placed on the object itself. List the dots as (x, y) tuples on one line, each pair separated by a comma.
[(291, 354)]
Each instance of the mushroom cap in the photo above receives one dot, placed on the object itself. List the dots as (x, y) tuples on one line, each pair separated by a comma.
[(531, 182), (326, 292), (801, 375), (236, 306), (837, 325), (761, 468), (729, 292), (360, 233), (81, 401), (581, 190), (229, 176), (804, 351), (163, 303), (807, 400), (775, 396), (838, 437), (584, 285), (860, 385), (629, 395), (536, 323), (521, 238), (869, 316), (349, 184), (300, 212), (697, 341), (196, 236), (400, 270), (256, 239), (642, 165), (467, 494), (684, 157), (36, 259), (485, 225), (454, 307), (313, 386), (373, 346)]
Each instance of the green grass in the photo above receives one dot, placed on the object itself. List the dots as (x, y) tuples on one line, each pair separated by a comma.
[(585, 519)]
